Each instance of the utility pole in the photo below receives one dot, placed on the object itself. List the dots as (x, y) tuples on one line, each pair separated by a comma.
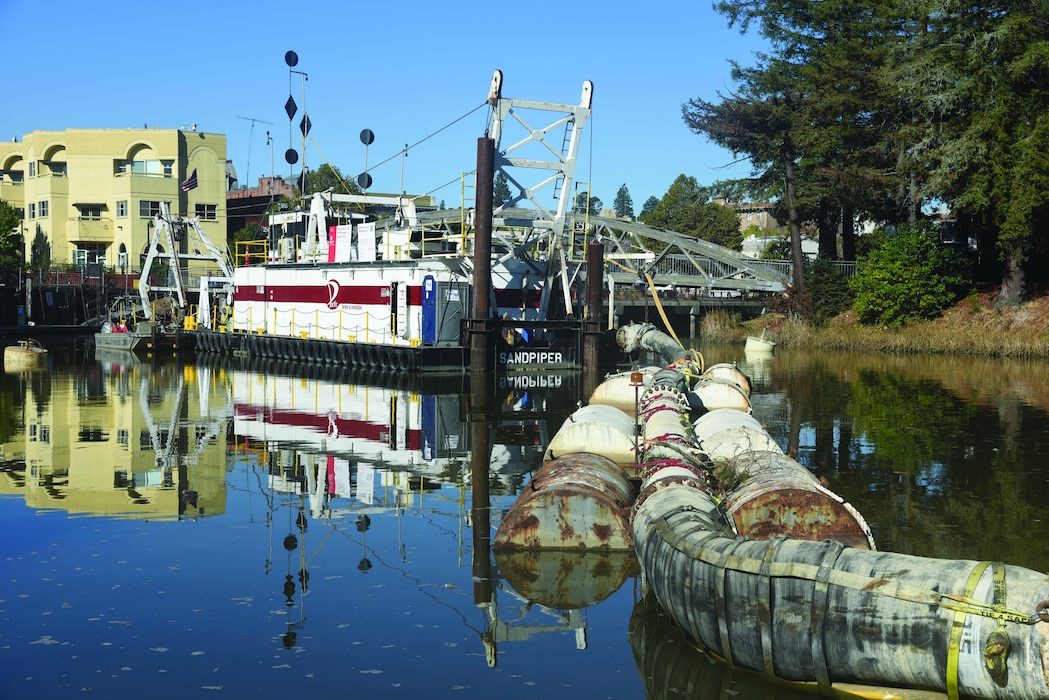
[(247, 172)]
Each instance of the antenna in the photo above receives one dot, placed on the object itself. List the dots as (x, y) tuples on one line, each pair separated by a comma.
[(247, 171)]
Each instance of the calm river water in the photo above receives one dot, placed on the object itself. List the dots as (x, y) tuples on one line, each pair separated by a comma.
[(257, 531)]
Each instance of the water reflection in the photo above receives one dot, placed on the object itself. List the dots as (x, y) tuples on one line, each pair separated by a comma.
[(128, 440), (354, 516), (672, 666), (942, 454)]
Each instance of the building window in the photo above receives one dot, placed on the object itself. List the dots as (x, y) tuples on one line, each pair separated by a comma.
[(148, 208), (43, 209), (32, 210), (32, 168), (122, 208), (169, 166), (207, 212), (140, 167), (57, 167), (90, 211)]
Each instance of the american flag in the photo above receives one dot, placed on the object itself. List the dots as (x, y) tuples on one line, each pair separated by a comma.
[(190, 182)]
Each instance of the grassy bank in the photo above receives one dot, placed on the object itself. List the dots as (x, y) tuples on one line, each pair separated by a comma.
[(973, 327)]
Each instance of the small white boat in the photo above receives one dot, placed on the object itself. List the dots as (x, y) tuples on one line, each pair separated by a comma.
[(758, 345), (27, 355)]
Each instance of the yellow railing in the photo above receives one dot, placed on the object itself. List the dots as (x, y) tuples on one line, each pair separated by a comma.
[(251, 253)]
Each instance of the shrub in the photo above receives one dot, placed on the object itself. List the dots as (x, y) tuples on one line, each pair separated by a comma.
[(908, 276), (828, 290)]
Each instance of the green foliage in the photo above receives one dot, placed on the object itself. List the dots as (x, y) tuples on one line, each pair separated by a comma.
[(585, 203), (40, 252), (649, 206), (623, 205), (500, 190), (328, 176), (686, 208), (252, 232), (828, 288), (909, 277), (12, 246)]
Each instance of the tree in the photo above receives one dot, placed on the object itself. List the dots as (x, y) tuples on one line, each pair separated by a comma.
[(910, 276), (623, 204), (759, 122), (980, 73), (650, 204), (685, 209), (327, 177), (584, 203), (40, 252), (812, 116), (12, 246), (500, 190)]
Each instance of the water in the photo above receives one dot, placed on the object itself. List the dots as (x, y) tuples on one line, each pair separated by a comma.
[(258, 531)]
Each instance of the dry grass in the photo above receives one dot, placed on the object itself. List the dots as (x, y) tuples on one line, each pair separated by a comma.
[(973, 327)]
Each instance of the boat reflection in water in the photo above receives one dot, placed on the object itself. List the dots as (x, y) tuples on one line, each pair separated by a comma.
[(342, 447), (355, 513)]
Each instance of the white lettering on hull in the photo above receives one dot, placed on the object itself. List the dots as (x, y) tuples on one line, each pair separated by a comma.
[(531, 357)]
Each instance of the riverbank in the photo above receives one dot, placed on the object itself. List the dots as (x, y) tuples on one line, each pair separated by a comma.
[(972, 327)]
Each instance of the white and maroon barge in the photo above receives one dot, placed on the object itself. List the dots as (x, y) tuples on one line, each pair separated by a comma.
[(399, 292)]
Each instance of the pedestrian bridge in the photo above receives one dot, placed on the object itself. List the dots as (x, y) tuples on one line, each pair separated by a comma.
[(632, 250)]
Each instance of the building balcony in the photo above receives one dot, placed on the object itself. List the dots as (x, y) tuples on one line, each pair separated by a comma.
[(90, 230), (127, 185), (13, 193)]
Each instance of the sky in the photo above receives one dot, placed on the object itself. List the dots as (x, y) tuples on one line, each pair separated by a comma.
[(411, 72)]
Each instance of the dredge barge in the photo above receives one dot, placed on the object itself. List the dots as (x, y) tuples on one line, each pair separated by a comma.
[(424, 290)]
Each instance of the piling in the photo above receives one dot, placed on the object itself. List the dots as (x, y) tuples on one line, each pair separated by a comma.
[(480, 326)]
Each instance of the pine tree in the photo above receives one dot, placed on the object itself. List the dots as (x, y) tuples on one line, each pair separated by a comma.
[(500, 190), (623, 204)]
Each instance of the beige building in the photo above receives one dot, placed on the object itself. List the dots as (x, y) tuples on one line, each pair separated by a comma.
[(93, 192)]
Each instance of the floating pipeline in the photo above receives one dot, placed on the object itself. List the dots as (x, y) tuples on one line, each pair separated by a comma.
[(769, 494), (596, 424), (578, 501), (620, 391), (727, 372), (822, 612), (818, 611), (674, 667), (726, 433)]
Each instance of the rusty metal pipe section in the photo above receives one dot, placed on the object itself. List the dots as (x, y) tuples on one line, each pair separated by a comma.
[(770, 494), (578, 501), (779, 497)]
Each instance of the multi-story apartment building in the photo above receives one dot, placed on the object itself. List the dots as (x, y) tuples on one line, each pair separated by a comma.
[(92, 193)]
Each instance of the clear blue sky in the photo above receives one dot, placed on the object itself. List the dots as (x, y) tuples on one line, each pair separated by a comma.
[(402, 68)]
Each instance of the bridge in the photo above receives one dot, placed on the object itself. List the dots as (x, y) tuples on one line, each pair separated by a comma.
[(556, 237), (554, 240)]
